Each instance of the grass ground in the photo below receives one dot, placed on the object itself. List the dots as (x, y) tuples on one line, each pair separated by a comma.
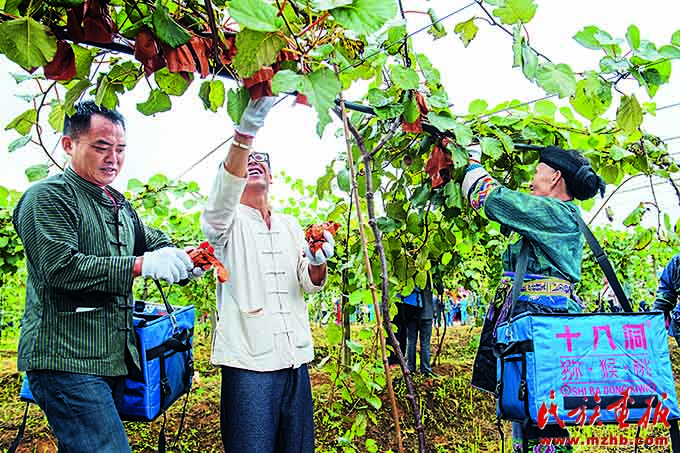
[(456, 417)]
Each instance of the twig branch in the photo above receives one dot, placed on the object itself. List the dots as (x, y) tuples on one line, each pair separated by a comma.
[(290, 30), (386, 321), (675, 187), (38, 129), (658, 209), (385, 138), (314, 24), (610, 197), (376, 305)]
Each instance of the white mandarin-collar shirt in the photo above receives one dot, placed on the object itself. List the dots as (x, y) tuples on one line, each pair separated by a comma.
[(262, 323)]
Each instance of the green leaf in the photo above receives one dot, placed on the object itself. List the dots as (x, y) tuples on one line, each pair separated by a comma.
[(463, 134), (672, 52), (545, 107), (446, 258), (421, 279), (343, 179), (404, 78), (27, 43), (478, 106), (56, 118), (491, 147), (556, 79), (635, 216), (37, 172), (655, 75), (454, 195), (431, 74), (395, 34), (411, 110), (675, 38), (466, 30), (529, 61), (365, 16), (387, 224), (237, 101), (84, 59), (212, 94), (24, 122), (436, 29), (333, 333), (593, 97), (321, 88), (629, 114), (172, 83), (419, 198), (611, 64), (19, 143), (158, 101), (514, 11), (589, 37), (74, 94), (633, 37), (166, 29), (255, 50), (255, 14), (378, 98), (442, 120), (617, 153)]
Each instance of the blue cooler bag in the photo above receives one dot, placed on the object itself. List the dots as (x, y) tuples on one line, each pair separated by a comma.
[(585, 369), (164, 341)]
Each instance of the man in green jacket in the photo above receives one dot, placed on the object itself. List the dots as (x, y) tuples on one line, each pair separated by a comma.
[(76, 338)]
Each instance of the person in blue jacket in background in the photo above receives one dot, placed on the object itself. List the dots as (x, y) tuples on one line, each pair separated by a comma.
[(667, 296)]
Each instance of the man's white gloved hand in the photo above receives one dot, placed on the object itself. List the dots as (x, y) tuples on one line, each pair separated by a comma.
[(196, 272), (475, 153), (253, 116), (325, 252), (169, 263)]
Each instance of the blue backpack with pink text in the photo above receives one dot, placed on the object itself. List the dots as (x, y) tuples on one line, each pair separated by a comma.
[(585, 369)]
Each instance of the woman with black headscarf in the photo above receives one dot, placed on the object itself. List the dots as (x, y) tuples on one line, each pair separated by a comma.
[(547, 219)]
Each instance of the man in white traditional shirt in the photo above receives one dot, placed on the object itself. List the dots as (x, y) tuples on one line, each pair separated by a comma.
[(262, 341)]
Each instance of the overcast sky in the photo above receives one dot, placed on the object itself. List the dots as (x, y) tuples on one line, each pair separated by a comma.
[(171, 142)]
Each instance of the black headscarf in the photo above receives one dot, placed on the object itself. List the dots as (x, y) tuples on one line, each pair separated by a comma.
[(582, 181)]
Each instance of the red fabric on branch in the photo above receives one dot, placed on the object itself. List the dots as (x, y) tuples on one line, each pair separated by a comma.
[(260, 90), (229, 51), (202, 48), (74, 20), (148, 53), (179, 59), (263, 75), (63, 65), (90, 21), (260, 84), (416, 126), (439, 165)]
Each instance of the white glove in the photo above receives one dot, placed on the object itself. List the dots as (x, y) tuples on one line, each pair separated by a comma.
[(196, 272), (325, 252), (475, 153), (253, 116), (169, 263)]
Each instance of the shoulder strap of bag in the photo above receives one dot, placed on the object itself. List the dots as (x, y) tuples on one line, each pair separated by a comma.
[(520, 272), (603, 261), (140, 248)]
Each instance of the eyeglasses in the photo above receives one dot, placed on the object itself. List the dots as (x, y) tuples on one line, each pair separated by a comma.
[(260, 157)]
